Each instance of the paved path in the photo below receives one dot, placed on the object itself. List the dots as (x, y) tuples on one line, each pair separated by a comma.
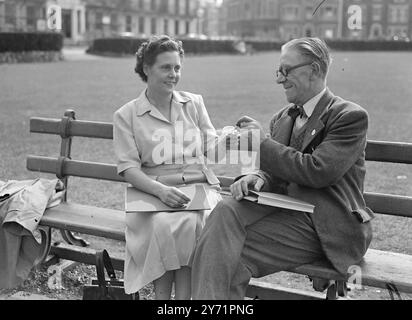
[(78, 54)]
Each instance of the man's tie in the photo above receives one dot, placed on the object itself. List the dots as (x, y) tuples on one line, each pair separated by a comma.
[(296, 139), (295, 111)]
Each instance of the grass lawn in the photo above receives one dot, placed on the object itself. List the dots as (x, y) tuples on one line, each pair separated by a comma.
[(231, 86)]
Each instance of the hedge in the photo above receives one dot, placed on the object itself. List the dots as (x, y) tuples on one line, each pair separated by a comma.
[(118, 46), (369, 45), (30, 41), (126, 46)]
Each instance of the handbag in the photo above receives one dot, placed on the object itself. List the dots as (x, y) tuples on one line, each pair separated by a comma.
[(102, 289)]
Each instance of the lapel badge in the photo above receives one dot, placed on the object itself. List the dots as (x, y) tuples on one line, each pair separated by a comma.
[(313, 132)]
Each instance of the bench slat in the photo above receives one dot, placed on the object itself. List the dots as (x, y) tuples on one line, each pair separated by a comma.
[(101, 222), (389, 204), (268, 291), (378, 268), (85, 169), (385, 151), (380, 203), (77, 128)]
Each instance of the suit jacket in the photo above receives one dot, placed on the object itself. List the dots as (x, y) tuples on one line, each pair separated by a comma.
[(328, 171)]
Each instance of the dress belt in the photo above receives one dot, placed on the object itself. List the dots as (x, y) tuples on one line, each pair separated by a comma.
[(184, 175)]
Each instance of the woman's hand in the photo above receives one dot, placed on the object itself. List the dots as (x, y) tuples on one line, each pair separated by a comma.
[(173, 197)]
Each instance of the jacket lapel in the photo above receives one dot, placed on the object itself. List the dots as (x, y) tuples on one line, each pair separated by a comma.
[(282, 129), (315, 124)]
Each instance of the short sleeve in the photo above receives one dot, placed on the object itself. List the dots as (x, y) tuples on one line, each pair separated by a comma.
[(206, 126), (125, 145)]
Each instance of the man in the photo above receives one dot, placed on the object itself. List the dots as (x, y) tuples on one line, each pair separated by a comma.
[(316, 153)]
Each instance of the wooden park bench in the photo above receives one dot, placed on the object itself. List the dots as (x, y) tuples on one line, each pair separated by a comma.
[(379, 269)]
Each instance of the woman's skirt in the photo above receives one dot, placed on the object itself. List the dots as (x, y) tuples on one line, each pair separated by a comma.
[(157, 242)]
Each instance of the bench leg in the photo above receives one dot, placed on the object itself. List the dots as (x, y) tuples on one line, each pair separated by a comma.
[(332, 293), (70, 238), (342, 288), (46, 237), (335, 288)]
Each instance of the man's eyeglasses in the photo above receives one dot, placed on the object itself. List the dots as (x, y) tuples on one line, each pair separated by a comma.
[(285, 71)]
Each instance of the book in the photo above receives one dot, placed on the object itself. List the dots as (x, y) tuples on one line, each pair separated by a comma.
[(139, 201), (276, 200)]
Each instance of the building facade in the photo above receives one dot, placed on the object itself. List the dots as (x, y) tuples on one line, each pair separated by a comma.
[(85, 20), (253, 19), (208, 14), (382, 19), (334, 19)]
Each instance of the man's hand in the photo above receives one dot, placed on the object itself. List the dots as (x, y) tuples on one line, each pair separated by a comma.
[(248, 124), (240, 188)]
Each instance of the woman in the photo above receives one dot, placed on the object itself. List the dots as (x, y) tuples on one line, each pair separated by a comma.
[(158, 144)]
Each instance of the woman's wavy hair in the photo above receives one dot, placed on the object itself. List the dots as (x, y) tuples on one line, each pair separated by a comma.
[(149, 50)]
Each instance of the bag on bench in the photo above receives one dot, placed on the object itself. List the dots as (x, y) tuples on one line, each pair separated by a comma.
[(102, 289)]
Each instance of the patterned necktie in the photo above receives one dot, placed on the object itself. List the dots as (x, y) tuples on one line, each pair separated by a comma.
[(296, 139), (295, 111)]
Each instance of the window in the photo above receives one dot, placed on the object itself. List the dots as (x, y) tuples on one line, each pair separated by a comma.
[(30, 16), (79, 21), (177, 7), (376, 12), (99, 21), (329, 12), (164, 6), (177, 32), (187, 7), (247, 13), (128, 23), (187, 27), (153, 5), (309, 13), (141, 25), (87, 21), (113, 22), (182, 5), (290, 13), (10, 11), (398, 14), (153, 26), (166, 26), (264, 10), (141, 4), (272, 9)]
